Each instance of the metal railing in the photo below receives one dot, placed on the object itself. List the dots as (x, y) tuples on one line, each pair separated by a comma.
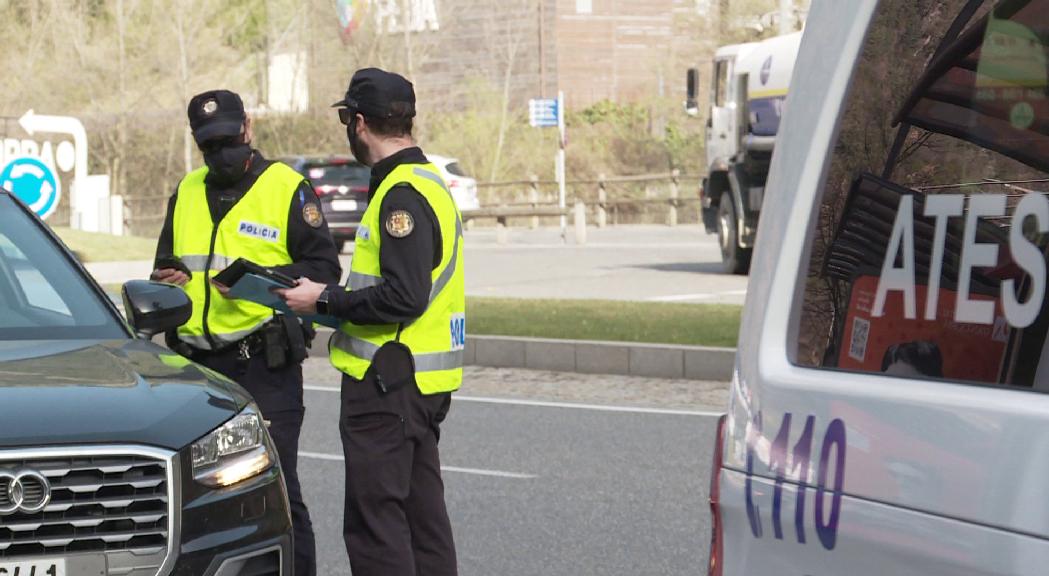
[(606, 198), (606, 201)]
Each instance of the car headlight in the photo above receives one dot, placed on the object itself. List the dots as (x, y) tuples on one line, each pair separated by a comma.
[(233, 452)]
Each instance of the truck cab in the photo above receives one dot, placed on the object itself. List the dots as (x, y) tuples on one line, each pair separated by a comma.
[(748, 91)]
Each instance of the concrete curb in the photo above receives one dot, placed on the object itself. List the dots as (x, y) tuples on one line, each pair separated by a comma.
[(591, 357)]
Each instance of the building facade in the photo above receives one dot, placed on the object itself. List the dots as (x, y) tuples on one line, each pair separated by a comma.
[(593, 50)]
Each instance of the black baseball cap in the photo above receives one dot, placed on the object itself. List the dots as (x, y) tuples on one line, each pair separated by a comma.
[(214, 114), (373, 92)]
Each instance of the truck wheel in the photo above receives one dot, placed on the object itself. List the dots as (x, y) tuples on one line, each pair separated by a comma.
[(734, 260)]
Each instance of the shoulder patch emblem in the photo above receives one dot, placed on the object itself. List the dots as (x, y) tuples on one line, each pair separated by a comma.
[(400, 223), (312, 215)]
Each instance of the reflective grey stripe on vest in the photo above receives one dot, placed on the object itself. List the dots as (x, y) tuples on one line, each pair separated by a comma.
[(449, 271), (199, 342), (358, 280), (197, 262), (202, 342), (430, 362)]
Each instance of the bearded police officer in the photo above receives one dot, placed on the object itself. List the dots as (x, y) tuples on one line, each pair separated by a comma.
[(241, 205), (400, 344)]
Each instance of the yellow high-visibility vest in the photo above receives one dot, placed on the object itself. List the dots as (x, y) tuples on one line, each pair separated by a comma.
[(255, 228), (438, 337)]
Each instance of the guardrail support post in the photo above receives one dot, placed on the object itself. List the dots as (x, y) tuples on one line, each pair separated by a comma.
[(580, 223), (533, 197), (502, 235), (602, 200), (672, 215)]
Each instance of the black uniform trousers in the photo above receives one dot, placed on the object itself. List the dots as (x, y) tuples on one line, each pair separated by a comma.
[(278, 394), (396, 522)]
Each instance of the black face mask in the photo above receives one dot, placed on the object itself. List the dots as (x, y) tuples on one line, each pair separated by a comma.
[(358, 148), (227, 165)]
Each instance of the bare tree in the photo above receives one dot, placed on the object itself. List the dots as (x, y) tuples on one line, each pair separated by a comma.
[(507, 38)]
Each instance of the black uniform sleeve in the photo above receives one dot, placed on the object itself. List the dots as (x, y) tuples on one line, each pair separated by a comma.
[(166, 242), (311, 247), (406, 265)]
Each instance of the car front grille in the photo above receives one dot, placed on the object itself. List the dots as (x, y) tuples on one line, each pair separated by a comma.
[(107, 504)]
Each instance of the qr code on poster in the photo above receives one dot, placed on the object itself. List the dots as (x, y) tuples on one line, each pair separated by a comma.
[(861, 329)]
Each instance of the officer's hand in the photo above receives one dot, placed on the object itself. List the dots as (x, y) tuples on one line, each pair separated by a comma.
[(222, 288), (169, 276), (302, 299)]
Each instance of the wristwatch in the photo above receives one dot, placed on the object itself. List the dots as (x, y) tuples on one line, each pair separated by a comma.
[(322, 302)]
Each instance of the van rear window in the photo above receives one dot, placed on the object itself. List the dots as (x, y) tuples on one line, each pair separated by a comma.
[(929, 250)]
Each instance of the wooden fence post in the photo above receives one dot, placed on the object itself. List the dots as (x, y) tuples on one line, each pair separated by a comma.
[(502, 235), (580, 223), (672, 215), (533, 197), (602, 200)]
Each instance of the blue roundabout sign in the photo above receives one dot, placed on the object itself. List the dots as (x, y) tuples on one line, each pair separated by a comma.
[(33, 183)]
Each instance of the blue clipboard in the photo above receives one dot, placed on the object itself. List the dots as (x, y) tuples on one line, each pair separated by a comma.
[(255, 288)]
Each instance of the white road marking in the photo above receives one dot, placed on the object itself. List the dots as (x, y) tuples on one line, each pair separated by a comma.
[(609, 246), (479, 472), (474, 471), (597, 407), (572, 405), (700, 296)]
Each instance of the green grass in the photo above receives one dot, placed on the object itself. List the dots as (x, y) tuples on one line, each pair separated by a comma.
[(94, 247), (652, 322)]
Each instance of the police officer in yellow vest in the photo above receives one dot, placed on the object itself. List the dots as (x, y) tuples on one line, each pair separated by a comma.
[(400, 344), (241, 205)]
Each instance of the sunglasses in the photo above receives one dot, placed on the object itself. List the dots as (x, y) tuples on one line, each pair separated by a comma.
[(346, 115), (215, 144)]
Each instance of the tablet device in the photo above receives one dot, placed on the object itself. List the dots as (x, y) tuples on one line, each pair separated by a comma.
[(235, 271)]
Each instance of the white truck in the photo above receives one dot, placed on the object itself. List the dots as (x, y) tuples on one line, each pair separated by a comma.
[(747, 94)]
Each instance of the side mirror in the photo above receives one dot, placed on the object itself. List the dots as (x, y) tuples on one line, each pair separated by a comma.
[(152, 307), (692, 92)]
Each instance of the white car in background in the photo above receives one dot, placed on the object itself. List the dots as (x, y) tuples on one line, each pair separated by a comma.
[(463, 187)]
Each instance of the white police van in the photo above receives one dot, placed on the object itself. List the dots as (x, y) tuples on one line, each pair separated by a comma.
[(889, 413)]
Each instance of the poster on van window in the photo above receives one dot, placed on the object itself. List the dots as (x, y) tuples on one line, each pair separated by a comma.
[(960, 351), (990, 87)]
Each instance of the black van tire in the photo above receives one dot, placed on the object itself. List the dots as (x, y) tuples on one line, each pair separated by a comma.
[(734, 259)]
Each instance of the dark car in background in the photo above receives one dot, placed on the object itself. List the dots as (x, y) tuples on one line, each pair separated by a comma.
[(118, 456), (341, 183)]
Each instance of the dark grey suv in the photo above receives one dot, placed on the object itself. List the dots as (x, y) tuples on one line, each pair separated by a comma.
[(116, 455), (341, 184)]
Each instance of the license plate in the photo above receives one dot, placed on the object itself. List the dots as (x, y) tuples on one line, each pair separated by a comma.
[(344, 205), (34, 568)]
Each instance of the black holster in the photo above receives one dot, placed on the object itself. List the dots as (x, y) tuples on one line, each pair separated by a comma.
[(286, 341), (275, 344), (393, 367)]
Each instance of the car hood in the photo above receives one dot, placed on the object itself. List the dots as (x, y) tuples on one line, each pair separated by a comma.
[(102, 392)]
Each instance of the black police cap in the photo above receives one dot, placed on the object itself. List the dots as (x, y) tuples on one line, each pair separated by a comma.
[(374, 92), (215, 113)]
